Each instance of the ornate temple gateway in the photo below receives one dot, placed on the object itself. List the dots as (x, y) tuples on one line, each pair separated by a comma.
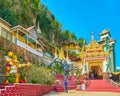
[(98, 57)]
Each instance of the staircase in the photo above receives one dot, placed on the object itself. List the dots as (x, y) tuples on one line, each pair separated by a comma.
[(102, 86), (24, 89), (59, 83), (2, 85)]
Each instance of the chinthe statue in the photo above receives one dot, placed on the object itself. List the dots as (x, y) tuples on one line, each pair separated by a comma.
[(12, 67)]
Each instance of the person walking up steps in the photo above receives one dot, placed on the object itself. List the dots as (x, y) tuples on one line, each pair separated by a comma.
[(65, 86)]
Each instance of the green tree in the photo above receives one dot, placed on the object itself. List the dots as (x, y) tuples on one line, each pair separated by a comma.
[(9, 16), (34, 12), (72, 36), (81, 41), (65, 36)]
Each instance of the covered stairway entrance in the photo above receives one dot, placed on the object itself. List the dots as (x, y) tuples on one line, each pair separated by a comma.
[(95, 67), (96, 71)]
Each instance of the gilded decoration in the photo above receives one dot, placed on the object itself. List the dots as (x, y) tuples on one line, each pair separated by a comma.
[(71, 45), (93, 49), (104, 32), (95, 63)]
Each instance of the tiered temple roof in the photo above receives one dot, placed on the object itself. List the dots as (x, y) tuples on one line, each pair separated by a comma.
[(93, 49)]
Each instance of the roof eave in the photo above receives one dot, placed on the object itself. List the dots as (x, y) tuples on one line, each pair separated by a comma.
[(5, 22)]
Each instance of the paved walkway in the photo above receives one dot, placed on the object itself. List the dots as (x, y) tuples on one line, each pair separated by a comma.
[(78, 93)]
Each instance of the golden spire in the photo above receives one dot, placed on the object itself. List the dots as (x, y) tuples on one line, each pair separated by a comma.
[(84, 44), (67, 57), (55, 52), (61, 53), (92, 36)]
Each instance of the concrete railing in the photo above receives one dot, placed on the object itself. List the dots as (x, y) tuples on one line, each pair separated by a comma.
[(114, 83), (21, 51)]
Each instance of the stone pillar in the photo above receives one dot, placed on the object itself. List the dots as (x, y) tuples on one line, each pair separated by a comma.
[(112, 58)]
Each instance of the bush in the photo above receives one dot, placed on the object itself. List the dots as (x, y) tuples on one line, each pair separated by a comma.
[(12, 78), (40, 75), (23, 71)]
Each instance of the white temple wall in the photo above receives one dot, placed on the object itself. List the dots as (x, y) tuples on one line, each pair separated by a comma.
[(87, 70), (104, 66)]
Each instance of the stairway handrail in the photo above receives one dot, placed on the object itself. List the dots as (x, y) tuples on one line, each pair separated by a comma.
[(114, 83)]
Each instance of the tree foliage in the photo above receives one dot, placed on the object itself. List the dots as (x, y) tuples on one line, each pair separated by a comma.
[(9, 16), (81, 41), (31, 12)]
